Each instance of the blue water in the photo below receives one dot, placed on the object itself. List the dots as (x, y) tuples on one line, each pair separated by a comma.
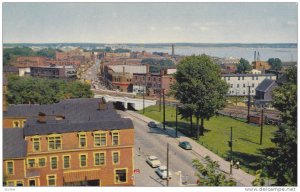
[(284, 54)]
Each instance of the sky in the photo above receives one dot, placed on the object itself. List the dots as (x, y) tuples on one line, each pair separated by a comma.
[(150, 22)]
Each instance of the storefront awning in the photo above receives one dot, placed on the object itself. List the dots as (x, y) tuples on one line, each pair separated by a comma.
[(82, 176)]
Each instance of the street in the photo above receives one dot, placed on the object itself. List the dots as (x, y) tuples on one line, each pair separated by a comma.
[(152, 141)]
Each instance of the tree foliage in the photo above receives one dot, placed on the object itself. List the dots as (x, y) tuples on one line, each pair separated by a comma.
[(24, 90), (275, 63), (209, 175), (243, 66), (199, 85), (281, 163), (157, 64), (10, 54)]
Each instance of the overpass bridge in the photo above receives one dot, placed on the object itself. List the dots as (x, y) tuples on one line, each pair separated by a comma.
[(127, 102)]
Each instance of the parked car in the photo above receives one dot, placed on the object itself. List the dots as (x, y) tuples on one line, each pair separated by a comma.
[(161, 171), (185, 145), (152, 124), (153, 161)]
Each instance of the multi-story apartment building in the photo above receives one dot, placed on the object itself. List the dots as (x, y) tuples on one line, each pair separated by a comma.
[(152, 83), (238, 83), (53, 71), (30, 61), (71, 143)]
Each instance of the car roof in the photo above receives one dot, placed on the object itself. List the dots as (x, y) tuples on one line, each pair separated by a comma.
[(185, 142), (162, 167), (152, 157)]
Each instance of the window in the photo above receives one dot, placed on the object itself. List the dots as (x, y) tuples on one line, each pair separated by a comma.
[(120, 176), (10, 183), (67, 161), (82, 140), (256, 77), (51, 179), (31, 182), (116, 157), (36, 143), (54, 162), (231, 85), (115, 138), (244, 85), (252, 77), (252, 84), (16, 123), (99, 139), (19, 183), (243, 78), (54, 142), (31, 163), (23, 123), (42, 162), (99, 159), (10, 167), (83, 160), (238, 85), (239, 78)]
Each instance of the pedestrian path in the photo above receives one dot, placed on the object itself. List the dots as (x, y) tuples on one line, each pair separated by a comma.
[(239, 175)]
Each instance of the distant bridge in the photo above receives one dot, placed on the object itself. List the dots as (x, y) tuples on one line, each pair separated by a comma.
[(127, 102)]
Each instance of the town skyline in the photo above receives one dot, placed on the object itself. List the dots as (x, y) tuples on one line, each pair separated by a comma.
[(117, 23)]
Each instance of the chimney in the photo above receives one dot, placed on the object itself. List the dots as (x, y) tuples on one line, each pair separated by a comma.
[(173, 51), (102, 104), (42, 117)]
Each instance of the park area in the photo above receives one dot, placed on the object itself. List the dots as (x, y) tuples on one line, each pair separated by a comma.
[(246, 137)]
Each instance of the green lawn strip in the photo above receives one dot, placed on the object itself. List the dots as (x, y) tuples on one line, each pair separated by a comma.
[(246, 148)]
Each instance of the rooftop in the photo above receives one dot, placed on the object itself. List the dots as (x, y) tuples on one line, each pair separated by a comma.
[(14, 145), (78, 115), (246, 75), (265, 85)]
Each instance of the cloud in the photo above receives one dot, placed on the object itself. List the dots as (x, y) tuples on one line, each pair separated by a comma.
[(152, 28), (291, 23), (204, 28), (115, 14), (176, 28)]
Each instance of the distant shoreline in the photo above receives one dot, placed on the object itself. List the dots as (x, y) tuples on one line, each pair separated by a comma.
[(155, 45)]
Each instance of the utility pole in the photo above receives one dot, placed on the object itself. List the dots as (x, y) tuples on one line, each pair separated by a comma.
[(176, 120), (167, 164), (230, 145), (261, 125), (159, 100), (248, 117), (164, 109), (144, 93)]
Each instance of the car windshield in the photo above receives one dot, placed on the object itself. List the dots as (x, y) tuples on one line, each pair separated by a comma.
[(163, 169)]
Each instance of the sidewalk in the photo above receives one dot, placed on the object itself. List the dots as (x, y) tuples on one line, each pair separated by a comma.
[(238, 174)]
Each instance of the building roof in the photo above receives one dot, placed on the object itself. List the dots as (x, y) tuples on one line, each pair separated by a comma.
[(129, 68), (35, 128), (7, 68), (14, 145), (265, 85), (246, 75), (79, 115)]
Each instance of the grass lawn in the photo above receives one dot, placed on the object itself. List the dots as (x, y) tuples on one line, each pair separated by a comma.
[(246, 148)]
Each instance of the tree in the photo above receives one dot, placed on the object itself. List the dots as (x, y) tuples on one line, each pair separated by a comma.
[(199, 84), (209, 175), (275, 63), (259, 178), (186, 111), (157, 64), (281, 162), (243, 66), (24, 90)]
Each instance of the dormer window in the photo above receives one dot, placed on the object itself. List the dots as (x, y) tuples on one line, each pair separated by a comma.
[(82, 140), (54, 142)]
